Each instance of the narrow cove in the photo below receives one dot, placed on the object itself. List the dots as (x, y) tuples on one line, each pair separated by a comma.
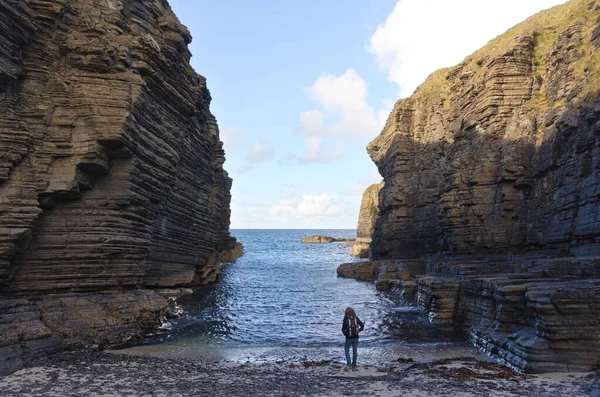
[(282, 301)]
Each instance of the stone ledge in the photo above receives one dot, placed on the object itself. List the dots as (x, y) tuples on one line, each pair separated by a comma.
[(535, 314)]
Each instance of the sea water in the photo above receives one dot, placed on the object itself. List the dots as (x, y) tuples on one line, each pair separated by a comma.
[(283, 301)]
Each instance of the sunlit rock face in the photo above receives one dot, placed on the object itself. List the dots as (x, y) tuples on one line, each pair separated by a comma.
[(492, 178), (367, 216), (111, 169)]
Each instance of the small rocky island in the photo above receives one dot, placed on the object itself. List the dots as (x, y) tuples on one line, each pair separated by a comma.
[(489, 217), (325, 240)]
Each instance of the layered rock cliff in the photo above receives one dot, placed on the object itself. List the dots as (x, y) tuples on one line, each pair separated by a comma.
[(492, 179), (501, 151), (367, 216), (111, 172)]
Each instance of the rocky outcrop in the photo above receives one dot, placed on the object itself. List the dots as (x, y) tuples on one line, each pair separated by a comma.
[(367, 216), (536, 312), (23, 335), (111, 171), (387, 274), (324, 240), (360, 249), (231, 253), (368, 270), (492, 175)]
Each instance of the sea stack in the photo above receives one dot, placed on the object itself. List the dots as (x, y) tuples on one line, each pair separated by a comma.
[(492, 182), (367, 216), (112, 185)]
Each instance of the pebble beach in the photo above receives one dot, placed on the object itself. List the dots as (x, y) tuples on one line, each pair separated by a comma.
[(94, 373)]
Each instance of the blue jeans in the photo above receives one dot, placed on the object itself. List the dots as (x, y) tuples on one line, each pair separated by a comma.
[(354, 344)]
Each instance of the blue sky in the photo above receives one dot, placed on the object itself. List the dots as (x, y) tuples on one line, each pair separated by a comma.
[(300, 87)]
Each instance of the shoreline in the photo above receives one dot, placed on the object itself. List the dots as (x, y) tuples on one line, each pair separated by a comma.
[(262, 353), (94, 373)]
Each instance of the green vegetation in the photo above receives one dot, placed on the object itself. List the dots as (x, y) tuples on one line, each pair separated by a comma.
[(545, 28), (436, 86)]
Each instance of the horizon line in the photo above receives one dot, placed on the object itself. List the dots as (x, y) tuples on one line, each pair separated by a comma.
[(276, 228)]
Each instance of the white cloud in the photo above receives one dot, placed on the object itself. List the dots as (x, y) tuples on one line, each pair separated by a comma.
[(312, 121), (288, 185), (309, 205), (293, 210), (315, 153), (282, 207), (344, 107), (243, 169), (421, 36), (359, 187), (322, 205), (261, 151), (288, 159), (232, 138)]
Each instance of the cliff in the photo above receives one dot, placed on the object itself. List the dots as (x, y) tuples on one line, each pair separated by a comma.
[(367, 216), (492, 182), (111, 172), (499, 152)]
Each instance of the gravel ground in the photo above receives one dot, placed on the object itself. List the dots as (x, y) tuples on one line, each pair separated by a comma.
[(92, 373)]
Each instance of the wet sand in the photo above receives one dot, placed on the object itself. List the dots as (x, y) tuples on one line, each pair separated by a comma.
[(92, 373)]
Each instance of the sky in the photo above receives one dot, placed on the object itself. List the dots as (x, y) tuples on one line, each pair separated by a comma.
[(300, 88)]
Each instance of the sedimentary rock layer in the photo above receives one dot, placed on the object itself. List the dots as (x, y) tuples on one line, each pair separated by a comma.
[(502, 151), (367, 216), (536, 312), (492, 179), (111, 167)]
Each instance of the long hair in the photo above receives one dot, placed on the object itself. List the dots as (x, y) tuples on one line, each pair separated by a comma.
[(349, 312)]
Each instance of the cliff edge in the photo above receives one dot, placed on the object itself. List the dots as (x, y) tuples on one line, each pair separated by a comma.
[(112, 184), (492, 182)]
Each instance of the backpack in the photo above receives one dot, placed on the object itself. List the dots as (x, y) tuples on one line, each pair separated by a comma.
[(353, 328)]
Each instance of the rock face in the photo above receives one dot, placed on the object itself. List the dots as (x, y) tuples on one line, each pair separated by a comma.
[(111, 171), (367, 216), (536, 313), (492, 178), (501, 151)]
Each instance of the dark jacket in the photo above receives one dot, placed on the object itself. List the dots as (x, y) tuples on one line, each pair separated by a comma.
[(345, 328)]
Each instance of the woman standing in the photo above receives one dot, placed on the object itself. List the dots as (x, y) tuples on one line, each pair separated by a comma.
[(351, 327)]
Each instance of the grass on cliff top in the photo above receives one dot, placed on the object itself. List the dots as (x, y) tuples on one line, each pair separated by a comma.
[(545, 27), (435, 86)]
